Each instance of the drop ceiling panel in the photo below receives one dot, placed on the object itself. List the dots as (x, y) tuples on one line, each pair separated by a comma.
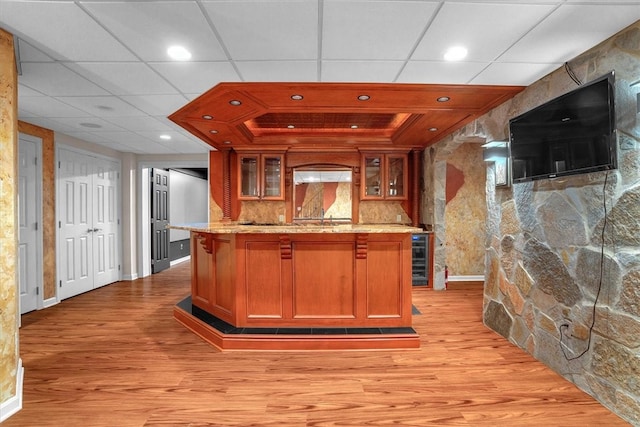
[(196, 77), (55, 79), (83, 39), (522, 74), (360, 71), (45, 106), (27, 92), (275, 30), (156, 105), (29, 53), (102, 106), (278, 71), (86, 124), (441, 72), (149, 28), (137, 124), (125, 78), (51, 124), (485, 29), (569, 31), (385, 30), (94, 137)]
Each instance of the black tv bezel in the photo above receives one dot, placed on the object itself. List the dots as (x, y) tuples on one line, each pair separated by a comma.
[(611, 137)]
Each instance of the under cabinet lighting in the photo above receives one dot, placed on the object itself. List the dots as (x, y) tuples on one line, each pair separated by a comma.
[(290, 127), (433, 129)]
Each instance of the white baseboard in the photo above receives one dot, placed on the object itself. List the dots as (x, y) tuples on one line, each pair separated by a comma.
[(49, 302), (129, 277), (466, 278), (180, 260), (14, 404)]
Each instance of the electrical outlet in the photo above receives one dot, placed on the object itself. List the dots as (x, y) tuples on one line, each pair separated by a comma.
[(281, 218), (398, 218), (566, 328)]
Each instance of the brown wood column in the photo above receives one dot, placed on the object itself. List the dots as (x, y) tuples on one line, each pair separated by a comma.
[(226, 185), (416, 157)]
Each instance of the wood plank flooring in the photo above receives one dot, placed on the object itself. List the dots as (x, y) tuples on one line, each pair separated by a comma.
[(116, 357)]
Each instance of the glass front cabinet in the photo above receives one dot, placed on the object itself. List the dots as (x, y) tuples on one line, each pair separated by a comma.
[(261, 176), (385, 176)]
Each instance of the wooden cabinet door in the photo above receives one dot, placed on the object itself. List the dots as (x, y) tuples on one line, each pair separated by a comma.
[(260, 176)]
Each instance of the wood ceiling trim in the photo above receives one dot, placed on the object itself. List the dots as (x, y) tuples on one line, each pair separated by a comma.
[(415, 106)]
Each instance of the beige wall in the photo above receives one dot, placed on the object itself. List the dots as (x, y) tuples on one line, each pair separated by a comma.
[(9, 350)]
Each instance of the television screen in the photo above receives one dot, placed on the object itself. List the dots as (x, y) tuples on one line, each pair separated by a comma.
[(571, 134)]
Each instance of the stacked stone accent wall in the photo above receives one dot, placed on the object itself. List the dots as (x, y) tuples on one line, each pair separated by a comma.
[(562, 265)]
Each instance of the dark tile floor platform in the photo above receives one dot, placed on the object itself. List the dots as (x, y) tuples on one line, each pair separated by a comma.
[(227, 328)]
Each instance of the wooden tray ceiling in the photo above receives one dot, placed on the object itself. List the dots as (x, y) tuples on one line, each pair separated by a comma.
[(260, 116)]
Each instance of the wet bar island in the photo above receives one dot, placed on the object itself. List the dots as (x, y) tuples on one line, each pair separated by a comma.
[(300, 287), (331, 177)]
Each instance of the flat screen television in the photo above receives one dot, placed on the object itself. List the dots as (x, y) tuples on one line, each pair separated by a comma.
[(571, 134)]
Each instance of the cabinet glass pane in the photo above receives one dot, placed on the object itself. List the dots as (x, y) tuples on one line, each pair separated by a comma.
[(271, 177), (372, 170), (396, 177), (249, 173)]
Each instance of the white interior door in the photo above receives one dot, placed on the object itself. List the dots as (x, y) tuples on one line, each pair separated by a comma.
[(89, 235), (30, 240), (105, 223)]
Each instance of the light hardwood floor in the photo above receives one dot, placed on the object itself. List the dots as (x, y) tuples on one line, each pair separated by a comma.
[(116, 357)]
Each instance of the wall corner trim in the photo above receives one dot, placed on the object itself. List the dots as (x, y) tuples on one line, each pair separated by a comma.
[(14, 404)]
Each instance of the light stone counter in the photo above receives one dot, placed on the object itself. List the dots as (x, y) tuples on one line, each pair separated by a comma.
[(239, 228)]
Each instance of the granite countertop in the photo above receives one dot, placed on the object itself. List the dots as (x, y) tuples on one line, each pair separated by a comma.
[(235, 227)]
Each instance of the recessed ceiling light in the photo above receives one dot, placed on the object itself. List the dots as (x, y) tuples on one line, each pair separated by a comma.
[(165, 137), (443, 99), (90, 125), (363, 97), (178, 53), (227, 142), (213, 131), (235, 102), (207, 117), (455, 53), (297, 97), (290, 127)]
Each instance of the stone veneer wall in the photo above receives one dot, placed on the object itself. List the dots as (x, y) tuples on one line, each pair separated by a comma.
[(465, 211), (545, 245), (9, 356)]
